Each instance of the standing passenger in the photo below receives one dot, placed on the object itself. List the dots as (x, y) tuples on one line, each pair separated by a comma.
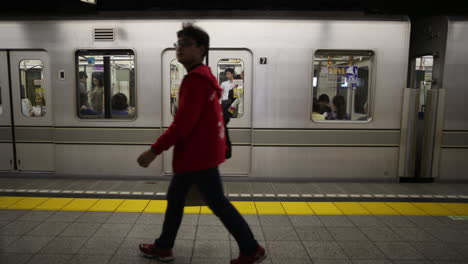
[(227, 100), (228, 85), (96, 96), (83, 90), (199, 138)]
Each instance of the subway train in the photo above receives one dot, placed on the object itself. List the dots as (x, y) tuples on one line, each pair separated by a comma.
[(83, 97)]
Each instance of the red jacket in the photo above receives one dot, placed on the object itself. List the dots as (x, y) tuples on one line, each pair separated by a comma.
[(197, 130)]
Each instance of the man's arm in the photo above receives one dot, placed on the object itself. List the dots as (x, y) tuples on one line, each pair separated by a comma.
[(192, 99)]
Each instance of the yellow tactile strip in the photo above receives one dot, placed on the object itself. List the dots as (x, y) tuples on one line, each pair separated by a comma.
[(290, 208)]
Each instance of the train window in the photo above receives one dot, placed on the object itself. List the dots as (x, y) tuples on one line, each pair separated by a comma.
[(231, 80), (105, 84), (177, 74), (32, 92), (341, 85)]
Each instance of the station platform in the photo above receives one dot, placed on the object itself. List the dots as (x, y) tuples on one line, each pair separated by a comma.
[(103, 221)]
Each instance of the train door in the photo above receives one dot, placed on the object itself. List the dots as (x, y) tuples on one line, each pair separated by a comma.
[(6, 140), (427, 88), (240, 125), (172, 74), (31, 98), (442, 42), (421, 79), (233, 69)]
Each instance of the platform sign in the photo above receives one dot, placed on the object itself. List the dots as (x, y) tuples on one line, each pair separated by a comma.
[(352, 76)]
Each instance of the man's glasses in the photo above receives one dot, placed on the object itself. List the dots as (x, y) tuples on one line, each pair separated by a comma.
[(183, 44)]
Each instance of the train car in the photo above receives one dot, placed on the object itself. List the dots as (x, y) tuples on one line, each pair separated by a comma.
[(85, 97)]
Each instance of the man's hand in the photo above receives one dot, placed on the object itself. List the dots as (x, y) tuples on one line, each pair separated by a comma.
[(146, 158)]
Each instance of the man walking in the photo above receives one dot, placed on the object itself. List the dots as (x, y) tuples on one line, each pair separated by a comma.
[(198, 135)]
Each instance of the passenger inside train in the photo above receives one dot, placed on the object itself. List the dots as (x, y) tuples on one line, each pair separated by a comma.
[(120, 105), (228, 94), (32, 92), (235, 65), (316, 115), (338, 109), (228, 85), (83, 89), (366, 110), (323, 102), (96, 96), (39, 109), (236, 108)]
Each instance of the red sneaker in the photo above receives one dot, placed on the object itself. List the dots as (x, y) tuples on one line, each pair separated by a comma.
[(258, 257), (151, 251)]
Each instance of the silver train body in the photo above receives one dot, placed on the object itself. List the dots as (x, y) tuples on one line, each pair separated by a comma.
[(276, 137)]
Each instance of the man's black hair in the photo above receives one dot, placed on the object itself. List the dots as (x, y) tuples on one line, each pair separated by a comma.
[(229, 70), (197, 34)]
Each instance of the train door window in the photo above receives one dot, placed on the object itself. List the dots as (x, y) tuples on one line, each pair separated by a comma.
[(231, 81), (1, 105), (422, 78), (32, 93), (178, 72), (105, 84), (341, 85)]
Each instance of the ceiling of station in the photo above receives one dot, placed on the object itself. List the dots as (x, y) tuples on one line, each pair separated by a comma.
[(77, 7)]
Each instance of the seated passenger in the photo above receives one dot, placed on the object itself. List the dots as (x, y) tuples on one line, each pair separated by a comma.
[(316, 116), (119, 105), (39, 109), (338, 109), (324, 101), (366, 109)]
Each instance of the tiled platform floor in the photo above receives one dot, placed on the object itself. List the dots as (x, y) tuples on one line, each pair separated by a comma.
[(365, 228), (38, 236)]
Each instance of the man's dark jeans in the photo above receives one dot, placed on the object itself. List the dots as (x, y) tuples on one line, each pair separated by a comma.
[(211, 188)]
